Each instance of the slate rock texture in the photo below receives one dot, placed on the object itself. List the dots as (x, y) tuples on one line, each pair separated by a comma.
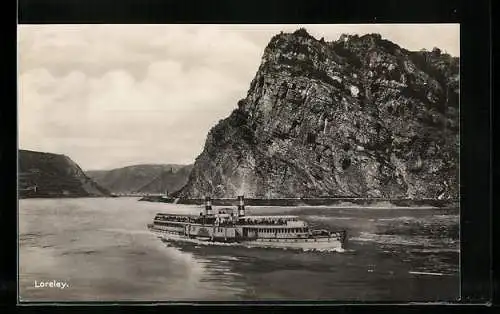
[(356, 117)]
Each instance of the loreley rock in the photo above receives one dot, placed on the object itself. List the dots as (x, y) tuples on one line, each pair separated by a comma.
[(358, 117)]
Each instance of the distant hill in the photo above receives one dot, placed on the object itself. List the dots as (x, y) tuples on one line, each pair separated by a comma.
[(169, 180), (52, 175), (136, 178)]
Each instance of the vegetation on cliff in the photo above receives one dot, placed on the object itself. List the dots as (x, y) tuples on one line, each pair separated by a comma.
[(357, 117), (51, 175)]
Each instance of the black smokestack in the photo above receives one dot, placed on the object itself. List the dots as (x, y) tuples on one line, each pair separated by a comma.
[(241, 206), (208, 206)]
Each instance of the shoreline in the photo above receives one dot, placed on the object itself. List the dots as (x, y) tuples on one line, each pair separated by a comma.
[(343, 203), (318, 202), (61, 196)]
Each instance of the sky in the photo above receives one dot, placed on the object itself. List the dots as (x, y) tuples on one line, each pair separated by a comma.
[(110, 96)]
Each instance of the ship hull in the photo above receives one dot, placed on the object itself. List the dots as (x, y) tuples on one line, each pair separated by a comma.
[(313, 244), (316, 243)]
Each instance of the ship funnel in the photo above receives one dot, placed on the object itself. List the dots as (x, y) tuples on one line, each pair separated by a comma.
[(241, 206), (208, 206)]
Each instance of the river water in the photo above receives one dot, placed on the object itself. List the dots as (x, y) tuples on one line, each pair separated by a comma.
[(102, 249)]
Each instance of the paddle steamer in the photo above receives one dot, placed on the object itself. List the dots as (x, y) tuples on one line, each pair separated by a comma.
[(228, 225)]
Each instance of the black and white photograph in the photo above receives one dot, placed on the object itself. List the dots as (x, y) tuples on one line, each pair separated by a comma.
[(238, 162)]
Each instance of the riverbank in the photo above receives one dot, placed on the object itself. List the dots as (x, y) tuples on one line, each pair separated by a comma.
[(35, 196), (339, 202)]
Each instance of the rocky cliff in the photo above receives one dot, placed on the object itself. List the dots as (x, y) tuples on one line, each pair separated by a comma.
[(142, 178), (357, 117), (51, 175)]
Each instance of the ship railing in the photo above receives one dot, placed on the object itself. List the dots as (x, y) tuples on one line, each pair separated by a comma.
[(279, 222), (179, 219), (186, 220)]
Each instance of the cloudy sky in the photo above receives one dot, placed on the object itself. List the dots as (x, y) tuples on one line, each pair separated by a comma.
[(115, 95)]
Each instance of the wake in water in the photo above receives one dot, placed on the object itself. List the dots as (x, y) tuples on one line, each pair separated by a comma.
[(408, 240), (127, 231), (328, 218), (434, 219)]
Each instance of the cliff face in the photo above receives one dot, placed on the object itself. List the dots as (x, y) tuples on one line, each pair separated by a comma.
[(136, 178), (358, 117), (53, 176)]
